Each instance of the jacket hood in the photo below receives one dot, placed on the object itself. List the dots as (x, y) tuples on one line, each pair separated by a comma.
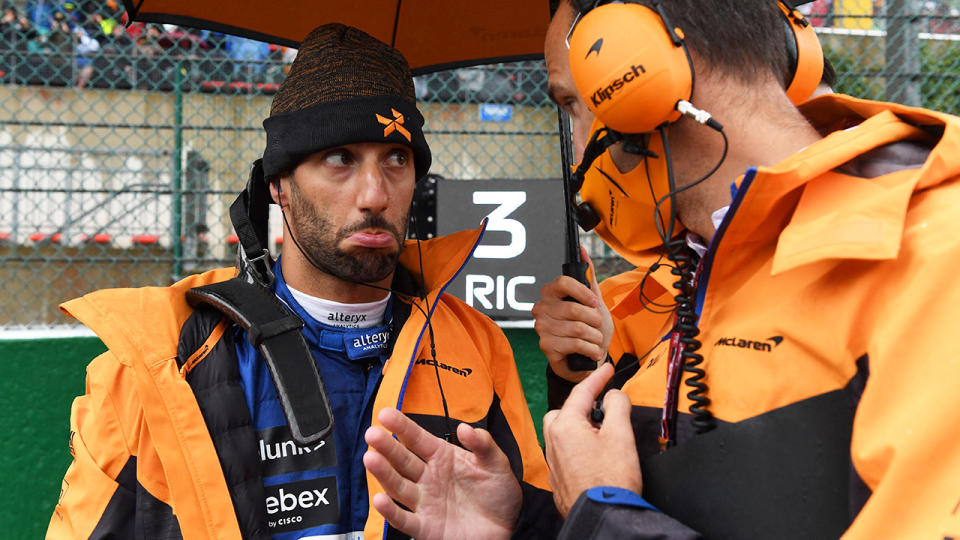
[(108, 312)]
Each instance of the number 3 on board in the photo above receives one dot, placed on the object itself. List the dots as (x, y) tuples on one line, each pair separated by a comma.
[(507, 202)]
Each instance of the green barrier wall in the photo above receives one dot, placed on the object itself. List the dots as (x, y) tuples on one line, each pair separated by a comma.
[(41, 378)]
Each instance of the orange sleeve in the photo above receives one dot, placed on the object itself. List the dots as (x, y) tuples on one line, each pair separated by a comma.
[(906, 439), (100, 452)]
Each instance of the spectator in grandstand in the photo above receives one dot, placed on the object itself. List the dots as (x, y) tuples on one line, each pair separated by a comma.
[(60, 42), (148, 42), (249, 57), (85, 49), (117, 58), (136, 29), (73, 16), (120, 42), (16, 33), (8, 25), (101, 27), (206, 418), (40, 14)]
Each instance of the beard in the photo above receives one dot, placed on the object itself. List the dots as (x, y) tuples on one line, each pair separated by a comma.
[(319, 240)]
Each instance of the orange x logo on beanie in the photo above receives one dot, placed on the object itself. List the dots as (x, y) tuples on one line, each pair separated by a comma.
[(394, 125)]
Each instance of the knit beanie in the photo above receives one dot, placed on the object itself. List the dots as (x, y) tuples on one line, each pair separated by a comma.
[(344, 87)]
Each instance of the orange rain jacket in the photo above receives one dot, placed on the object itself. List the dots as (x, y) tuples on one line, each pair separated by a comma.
[(829, 303), (138, 432)]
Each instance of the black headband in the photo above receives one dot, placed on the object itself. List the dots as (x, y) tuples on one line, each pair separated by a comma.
[(294, 135)]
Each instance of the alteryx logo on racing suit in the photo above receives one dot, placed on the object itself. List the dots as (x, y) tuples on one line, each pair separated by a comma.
[(349, 320), (301, 505), (366, 343), (280, 455)]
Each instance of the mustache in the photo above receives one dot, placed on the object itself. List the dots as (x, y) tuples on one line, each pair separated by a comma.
[(372, 221)]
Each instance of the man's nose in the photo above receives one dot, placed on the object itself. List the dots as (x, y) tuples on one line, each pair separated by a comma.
[(372, 195)]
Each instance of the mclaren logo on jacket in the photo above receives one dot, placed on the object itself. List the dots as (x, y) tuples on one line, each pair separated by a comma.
[(766, 345), (465, 372)]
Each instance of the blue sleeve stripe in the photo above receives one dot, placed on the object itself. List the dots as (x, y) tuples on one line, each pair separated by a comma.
[(617, 495)]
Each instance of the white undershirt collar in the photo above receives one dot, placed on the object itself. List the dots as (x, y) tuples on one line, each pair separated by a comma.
[(360, 315), (696, 242)]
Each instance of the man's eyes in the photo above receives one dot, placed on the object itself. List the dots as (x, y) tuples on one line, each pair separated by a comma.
[(338, 158), (399, 157)]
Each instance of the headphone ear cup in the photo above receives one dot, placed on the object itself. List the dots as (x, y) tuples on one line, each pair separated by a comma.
[(628, 69), (806, 55)]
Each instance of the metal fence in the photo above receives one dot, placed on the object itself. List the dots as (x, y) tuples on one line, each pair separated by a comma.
[(118, 160)]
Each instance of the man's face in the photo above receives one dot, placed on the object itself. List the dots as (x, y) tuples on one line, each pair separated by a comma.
[(560, 81), (563, 92), (348, 208)]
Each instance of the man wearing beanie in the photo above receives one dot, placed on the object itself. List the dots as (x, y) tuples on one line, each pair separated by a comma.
[(210, 414)]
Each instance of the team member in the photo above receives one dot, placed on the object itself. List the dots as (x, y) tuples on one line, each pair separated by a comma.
[(821, 239), (200, 420), (557, 337)]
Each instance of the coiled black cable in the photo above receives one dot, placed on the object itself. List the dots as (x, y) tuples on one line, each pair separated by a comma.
[(686, 325), (688, 331)]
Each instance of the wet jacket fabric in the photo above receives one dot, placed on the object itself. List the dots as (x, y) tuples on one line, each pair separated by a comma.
[(827, 303), (163, 442)]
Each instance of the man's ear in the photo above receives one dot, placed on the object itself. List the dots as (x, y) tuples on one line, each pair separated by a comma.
[(276, 192)]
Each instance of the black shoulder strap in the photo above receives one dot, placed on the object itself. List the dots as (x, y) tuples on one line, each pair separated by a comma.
[(249, 214), (275, 332)]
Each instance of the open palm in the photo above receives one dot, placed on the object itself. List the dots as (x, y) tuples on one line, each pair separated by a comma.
[(449, 492)]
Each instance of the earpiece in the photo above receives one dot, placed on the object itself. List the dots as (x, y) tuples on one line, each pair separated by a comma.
[(804, 53), (631, 85), (586, 216), (276, 183)]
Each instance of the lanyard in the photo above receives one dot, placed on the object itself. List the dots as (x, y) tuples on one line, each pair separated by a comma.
[(671, 398), (668, 419)]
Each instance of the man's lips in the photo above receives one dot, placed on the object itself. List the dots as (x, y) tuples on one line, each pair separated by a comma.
[(372, 239)]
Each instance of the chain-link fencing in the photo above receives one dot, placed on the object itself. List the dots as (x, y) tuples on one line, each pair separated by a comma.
[(122, 148)]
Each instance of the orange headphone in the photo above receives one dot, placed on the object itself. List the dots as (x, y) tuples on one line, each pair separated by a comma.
[(804, 53), (635, 86), (631, 85)]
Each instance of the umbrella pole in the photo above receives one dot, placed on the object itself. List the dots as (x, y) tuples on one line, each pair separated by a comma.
[(573, 266), (177, 224)]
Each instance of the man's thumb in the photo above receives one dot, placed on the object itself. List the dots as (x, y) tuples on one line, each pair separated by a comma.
[(481, 443), (591, 272)]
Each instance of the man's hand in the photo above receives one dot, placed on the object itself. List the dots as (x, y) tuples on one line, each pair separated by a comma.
[(580, 454), (567, 327), (451, 493)]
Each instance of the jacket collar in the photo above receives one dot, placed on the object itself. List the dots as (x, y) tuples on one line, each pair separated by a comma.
[(834, 216), (443, 257)]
